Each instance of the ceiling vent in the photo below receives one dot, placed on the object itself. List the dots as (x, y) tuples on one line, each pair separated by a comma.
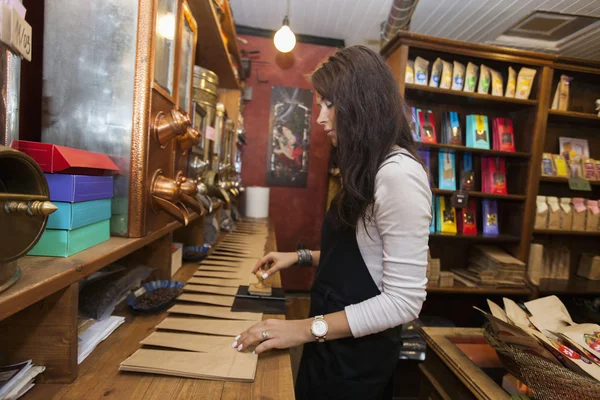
[(549, 31)]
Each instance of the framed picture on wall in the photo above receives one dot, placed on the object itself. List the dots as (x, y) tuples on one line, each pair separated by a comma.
[(289, 136)]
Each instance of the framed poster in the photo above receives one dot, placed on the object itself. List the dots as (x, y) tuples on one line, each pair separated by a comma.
[(574, 149), (289, 136)]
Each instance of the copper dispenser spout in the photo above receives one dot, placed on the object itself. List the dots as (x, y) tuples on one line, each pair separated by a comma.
[(189, 189), (190, 138), (169, 126), (166, 194)]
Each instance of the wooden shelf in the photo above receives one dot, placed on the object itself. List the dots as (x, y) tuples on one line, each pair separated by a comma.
[(476, 238), (229, 27), (573, 117), (565, 233), (43, 276), (460, 288), (558, 179), (574, 286), (446, 96), (464, 149), (211, 52), (511, 197)]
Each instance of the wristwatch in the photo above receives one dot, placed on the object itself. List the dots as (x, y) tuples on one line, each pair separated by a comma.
[(319, 328)]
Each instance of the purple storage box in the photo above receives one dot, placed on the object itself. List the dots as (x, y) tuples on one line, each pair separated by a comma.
[(77, 188)]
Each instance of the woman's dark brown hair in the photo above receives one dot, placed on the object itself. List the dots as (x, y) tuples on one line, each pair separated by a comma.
[(369, 121)]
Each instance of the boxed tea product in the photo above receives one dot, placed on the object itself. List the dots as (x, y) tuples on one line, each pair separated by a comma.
[(426, 126), (561, 96), (478, 132), (593, 216), (575, 169), (503, 134), (553, 212), (458, 80), (541, 213), (471, 77), (447, 170), (467, 218), (589, 169), (566, 214), (493, 175), (579, 213), (451, 131), (467, 176), (489, 209), (597, 169), (547, 165), (414, 124), (446, 215), (511, 82), (560, 166)]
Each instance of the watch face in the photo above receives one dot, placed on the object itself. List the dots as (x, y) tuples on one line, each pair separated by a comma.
[(319, 328)]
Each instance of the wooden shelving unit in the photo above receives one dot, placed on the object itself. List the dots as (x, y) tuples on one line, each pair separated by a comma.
[(565, 233), (511, 197), (558, 179), (211, 51), (574, 286), (475, 237), (437, 95), (460, 288), (483, 152), (573, 117)]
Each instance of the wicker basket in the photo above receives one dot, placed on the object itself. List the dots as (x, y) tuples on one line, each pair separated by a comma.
[(547, 380)]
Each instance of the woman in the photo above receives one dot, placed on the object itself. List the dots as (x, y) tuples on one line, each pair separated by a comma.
[(372, 263)]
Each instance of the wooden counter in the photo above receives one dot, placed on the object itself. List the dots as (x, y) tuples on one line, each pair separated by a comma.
[(450, 374), (99, 377)]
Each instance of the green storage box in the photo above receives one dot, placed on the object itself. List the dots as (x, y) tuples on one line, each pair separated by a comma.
[(62, 243)]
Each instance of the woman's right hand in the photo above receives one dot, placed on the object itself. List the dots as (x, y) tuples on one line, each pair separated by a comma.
[(278, 262)]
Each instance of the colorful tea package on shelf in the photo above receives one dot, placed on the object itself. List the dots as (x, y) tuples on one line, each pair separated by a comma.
[(458, 79), (447, 170), (484, 80), (446, 215), (553, 213), (593, 216), (478, 132), (414, 124), (575, 170), (547, 165), (451, 132), (511, 82), (560, 166), (503, 134), (426, 126), (579, 214), (497, 84), (589, 169), (566, 214), (447, 70), (432, 224), (541, 213), (467, 218), (471, 77), (597, 169), (524, 83), (467, 177), (493, 175), (436, 73), (421, 67), (561, 95), (426, 158), (490, 216), (409, 75)]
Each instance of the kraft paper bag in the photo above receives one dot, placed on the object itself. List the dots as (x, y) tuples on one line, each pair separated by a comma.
[(553, 213), (541, 214), (593, 216), (566, 214), (579, 214)]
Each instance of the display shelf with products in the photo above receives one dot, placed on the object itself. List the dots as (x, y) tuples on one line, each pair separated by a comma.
[(511, 197), (463, 149), (460, 288), (573, 117), (558, 179), (476, 237), (558, 232)]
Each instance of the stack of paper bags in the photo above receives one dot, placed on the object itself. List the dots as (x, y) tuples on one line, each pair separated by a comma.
[(494, 267), (200, 329)]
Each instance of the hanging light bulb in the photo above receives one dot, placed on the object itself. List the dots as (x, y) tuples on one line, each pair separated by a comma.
[(284, 39)]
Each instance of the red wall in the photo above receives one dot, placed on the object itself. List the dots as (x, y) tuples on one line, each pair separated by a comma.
[(296, 212)]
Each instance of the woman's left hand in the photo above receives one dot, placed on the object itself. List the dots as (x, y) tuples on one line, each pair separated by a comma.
[(282, 334)]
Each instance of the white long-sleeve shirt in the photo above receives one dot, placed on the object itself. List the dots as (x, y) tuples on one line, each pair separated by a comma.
[(395, 248)]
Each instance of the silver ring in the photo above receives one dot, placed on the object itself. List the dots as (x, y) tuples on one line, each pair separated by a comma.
[(265, 335)]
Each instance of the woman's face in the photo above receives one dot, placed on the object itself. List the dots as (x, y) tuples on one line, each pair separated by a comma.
[(327, 119)]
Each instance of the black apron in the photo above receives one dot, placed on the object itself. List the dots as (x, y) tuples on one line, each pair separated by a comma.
[(349, 368)]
